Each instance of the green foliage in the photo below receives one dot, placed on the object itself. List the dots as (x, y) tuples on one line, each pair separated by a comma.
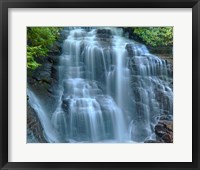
[(39, 40), (155, 36)]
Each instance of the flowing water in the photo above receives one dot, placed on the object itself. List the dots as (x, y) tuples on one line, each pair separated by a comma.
[(111, 89)]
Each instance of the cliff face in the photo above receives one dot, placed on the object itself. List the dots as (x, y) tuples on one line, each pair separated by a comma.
[(42, 81), (35, 133), (163, 131), (152, 93)]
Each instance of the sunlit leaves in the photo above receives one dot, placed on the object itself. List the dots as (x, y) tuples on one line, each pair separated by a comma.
[(155, 36), (39, 40)]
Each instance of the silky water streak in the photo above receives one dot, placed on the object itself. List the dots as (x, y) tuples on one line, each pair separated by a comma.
[(108, 89)]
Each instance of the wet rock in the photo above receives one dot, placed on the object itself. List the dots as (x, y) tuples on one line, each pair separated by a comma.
[(31, 81), (42, 81), (66, 105), (164, 131), (43, 73), (53, 59), (104, 36), (56, 48), (46, 94), (164, 100), (167, 138), (54, 73), (170, 69), (166, 117), (104, 33), (137, 91), (35, 131), (132, 49), (129, 49)]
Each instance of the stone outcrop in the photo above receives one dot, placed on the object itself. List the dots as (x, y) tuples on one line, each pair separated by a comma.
[(43, 82), (164, 131), (35, 133)]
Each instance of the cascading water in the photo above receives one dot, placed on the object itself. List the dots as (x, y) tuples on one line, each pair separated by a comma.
[(111, 89), (50, 133)]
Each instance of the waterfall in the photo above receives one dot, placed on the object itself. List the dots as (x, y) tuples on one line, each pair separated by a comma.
[(35, 103), (111, 89)]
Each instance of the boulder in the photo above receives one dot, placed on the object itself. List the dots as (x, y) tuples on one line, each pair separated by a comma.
[(129, 49), (164, 131), (136, 49), (104, 33), (104, 36)]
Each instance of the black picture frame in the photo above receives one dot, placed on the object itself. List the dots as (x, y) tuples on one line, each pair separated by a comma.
[(4, 99)]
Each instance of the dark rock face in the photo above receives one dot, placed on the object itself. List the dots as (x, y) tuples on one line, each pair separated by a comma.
[(56, 48), (44, 91), (129, 49), (164, 131), (133, 50), (43, 73), (42, 81), (104, 36), (35, 131), (163, 99), (104, 33), (66, 105)]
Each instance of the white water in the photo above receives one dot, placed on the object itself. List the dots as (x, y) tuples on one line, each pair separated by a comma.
[(50, 133), (104, 93)]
